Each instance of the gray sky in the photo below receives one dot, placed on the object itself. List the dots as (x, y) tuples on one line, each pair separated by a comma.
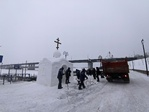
[(86, 28)]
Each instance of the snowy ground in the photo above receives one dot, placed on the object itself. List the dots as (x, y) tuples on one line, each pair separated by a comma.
[(97, 97)]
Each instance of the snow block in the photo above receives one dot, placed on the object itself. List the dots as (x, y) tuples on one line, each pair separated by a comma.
[(45, 69)]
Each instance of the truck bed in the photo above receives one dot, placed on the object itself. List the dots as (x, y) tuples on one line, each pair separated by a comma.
[(115, 67)]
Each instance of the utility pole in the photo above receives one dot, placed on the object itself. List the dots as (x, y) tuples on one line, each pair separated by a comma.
[(142, 41)]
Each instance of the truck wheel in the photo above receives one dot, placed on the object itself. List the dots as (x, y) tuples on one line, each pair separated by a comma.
[(127, 80), (109, 80)]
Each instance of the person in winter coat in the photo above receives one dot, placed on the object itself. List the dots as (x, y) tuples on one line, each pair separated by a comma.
[(68, 74), (89, 72), (94, 73), (82, 78), (78, 75), (60, 76), (98, 73)]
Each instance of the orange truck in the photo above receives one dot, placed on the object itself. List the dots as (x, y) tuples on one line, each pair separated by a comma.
[(115, 70)]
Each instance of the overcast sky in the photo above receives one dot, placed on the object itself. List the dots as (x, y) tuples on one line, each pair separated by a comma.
[(86, 28)]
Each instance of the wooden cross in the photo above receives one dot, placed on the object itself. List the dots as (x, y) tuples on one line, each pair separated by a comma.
[(57, 43)]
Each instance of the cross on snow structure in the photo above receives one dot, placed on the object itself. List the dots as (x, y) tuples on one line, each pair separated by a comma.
[(57, 43)]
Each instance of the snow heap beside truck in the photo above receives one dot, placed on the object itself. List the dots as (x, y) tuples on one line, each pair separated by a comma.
[(115, 69)]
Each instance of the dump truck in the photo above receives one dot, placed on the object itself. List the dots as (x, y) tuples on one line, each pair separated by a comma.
[(115, 70)]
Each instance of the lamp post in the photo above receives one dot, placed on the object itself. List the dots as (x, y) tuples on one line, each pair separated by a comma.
[(142, 41)]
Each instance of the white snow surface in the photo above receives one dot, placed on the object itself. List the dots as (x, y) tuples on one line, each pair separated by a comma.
[(96, 97)]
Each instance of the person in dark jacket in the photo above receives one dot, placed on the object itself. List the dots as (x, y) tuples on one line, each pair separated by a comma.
[(94, 73), (68, 74), (89, 72), (60, 76), (78, 75), (97, 73), (82, 78)]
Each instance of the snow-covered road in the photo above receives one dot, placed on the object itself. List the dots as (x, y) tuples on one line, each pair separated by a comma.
[(97, 97)]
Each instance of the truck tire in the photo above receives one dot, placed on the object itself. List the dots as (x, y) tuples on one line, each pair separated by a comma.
[(109, 80), (127, 80)]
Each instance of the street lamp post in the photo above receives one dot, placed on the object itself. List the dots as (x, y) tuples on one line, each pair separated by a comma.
[(142, 41)]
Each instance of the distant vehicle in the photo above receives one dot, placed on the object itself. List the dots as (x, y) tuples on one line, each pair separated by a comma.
[(117, 69)]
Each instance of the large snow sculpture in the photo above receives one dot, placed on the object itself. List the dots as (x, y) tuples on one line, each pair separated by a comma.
[(47, 74)]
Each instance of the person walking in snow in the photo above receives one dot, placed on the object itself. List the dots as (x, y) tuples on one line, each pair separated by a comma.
[(78, 75), (98, 73), (60, 76), (94, 73), (68, 74), (82, 79), (89, 72)]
